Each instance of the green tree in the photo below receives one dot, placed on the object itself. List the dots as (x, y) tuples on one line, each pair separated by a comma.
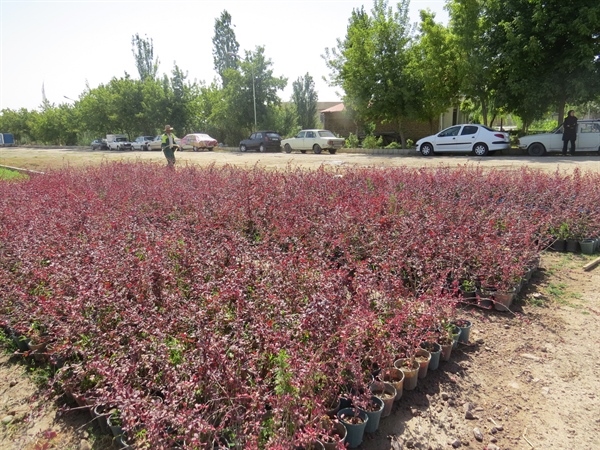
[(143, 51), (225, 46), (470, 24), (259, 88), (547, 53), (18, 123), (370, 64), (304, 97), (433, 69)]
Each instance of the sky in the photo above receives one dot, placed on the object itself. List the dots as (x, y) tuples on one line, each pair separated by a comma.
[(61, 47)]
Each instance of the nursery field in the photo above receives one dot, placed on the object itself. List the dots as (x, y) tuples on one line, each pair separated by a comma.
[(226, 307)]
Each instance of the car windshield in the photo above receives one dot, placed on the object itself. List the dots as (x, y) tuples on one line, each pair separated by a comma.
[(326, 133), (120, 139), (273, 135)]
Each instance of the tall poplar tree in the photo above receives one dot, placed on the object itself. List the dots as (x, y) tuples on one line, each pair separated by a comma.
[(225, 46), (305, 99), (143, 51)]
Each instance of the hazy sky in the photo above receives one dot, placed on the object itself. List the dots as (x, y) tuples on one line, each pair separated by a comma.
[(64, 45)]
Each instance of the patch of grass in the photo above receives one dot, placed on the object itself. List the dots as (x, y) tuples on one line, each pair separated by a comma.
[(537, 300), (40, 375), (7, 344), (557, 290), (11, 175)]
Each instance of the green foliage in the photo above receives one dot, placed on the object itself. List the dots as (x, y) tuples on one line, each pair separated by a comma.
[(371, 141), (434, 69), (143, 52), (283, 375), (225, 46), (476, 68), (305, 99), (393, 145), (11, 175), (352, 141), (370, 63)]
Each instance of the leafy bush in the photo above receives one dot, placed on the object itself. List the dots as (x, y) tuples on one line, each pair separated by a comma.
[(220, 306), (352, 141), (371, 141)]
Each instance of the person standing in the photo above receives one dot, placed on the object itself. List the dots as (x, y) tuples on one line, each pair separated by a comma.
[(169, 146), (569, 132)]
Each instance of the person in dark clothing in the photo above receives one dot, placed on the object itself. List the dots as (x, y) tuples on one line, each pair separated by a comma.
[(569, 132)]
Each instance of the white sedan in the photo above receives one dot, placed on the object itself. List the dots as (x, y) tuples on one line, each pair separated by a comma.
[(315, 140), (588, 139), (470, 138)]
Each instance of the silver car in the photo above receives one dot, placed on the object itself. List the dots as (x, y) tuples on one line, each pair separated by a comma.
[(588, 139), (141, 142)]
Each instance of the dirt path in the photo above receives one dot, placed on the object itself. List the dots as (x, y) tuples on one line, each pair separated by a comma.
[(43, 158), (530, 380)]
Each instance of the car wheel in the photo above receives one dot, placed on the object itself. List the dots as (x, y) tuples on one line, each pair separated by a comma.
[(317, 149), (332, 151), (427, 149), (536, 150), (287, 148), (262, 148), (480, 149), (242, 148), (210, 149)]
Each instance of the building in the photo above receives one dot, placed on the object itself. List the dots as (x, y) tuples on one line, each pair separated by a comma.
[(336, 119)]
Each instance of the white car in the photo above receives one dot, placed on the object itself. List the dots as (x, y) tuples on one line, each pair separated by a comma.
[(141, 142), (315, 140), (465, 138), (588, 139)]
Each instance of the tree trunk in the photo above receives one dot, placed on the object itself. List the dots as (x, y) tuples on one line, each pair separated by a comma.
[(484, 112), (561, 110), (400, 132)]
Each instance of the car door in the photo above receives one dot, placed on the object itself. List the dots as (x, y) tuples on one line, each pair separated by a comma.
[(448, 140), (256, 140), (588, 136), (250, 141), (467, 138), (298, 141), (310, 139)]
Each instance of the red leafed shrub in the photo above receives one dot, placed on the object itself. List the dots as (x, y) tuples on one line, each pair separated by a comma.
[(226, 307)]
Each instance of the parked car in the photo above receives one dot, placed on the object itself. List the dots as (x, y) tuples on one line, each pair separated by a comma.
[(99, 144), (141, 142), (588, 139), (262, 141), (155, 143), (118, 142), (197, 141), (465, 138), (317, 140)]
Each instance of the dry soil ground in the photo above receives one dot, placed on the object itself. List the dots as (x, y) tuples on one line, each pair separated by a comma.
[(530, 379)]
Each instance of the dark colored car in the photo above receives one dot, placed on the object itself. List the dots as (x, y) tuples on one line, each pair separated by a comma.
[(99, 144), (262, 141)]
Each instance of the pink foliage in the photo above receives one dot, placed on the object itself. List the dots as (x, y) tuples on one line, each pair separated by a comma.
[(223, 305)]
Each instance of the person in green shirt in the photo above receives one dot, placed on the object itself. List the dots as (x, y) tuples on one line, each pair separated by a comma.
[(168, 145)]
